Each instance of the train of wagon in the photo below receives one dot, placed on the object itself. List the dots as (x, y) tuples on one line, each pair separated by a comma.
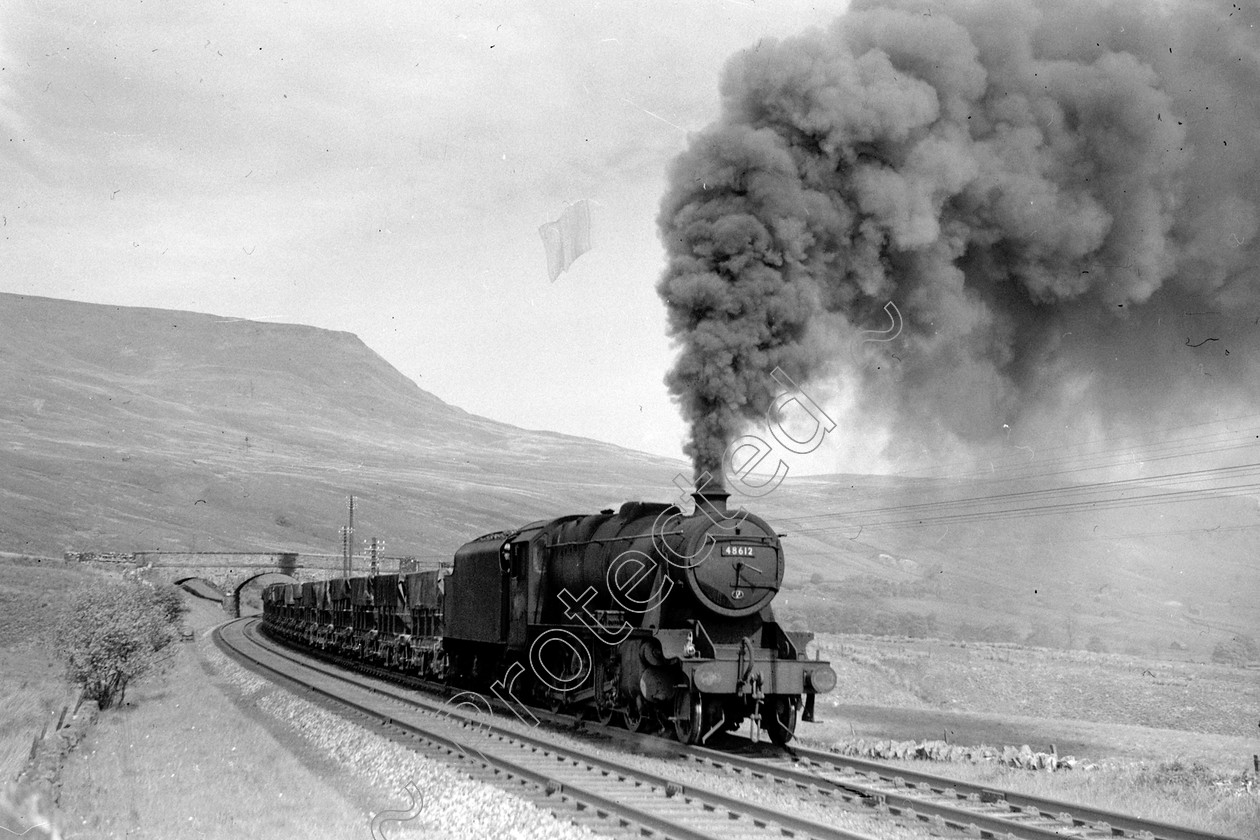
[(645, 615)]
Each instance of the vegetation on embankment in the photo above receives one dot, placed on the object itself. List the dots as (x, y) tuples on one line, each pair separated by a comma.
[(34, 690)]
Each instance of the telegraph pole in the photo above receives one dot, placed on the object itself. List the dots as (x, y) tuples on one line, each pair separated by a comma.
[(374, 552), (347, 535)]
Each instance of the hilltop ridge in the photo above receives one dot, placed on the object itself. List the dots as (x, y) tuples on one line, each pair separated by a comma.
[(132, 428)]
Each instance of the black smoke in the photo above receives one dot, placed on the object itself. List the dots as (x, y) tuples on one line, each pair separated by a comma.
[(1059, 197)]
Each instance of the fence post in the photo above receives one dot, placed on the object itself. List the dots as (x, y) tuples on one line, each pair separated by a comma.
[(35, 743)]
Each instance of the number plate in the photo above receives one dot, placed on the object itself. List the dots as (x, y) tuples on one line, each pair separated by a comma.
[(739, 550)]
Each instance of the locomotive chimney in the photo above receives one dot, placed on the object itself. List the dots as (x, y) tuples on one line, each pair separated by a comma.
[(712, 497)]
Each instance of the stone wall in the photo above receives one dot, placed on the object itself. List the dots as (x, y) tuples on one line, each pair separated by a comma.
[(42, 772), (98, 557), (228, 571), (220, 559)]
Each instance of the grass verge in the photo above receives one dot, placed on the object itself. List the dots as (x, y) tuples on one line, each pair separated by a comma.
[(1177, 792), (33, 688), (213, 751)]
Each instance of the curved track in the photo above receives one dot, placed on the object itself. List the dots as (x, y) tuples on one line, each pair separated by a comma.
[(937, 802), (945, 803), (1007, 803), (569, 783)]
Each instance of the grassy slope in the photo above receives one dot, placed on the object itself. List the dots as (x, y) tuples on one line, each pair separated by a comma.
[(1048, 684), (1137, 578), (151, 766), (147, 429), (211, 750), (1166, 740), (33, 690)]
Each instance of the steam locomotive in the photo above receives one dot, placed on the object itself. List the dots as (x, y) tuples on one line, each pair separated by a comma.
[(647, 614)]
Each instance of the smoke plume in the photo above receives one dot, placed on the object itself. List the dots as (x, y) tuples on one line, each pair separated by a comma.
[(1059, 197)]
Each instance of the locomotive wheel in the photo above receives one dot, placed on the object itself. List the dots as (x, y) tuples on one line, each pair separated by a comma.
[(780, 720), (602, 715), (688, 717), (635, 717)]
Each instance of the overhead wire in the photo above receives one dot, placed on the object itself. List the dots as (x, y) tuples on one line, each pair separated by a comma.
[(920, 491), (1075, 489), (1042, 510), (1152, 453), (1141, 535), (918, 472)]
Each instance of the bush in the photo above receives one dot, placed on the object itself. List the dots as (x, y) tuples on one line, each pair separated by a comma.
[(114, 633), (1177, 774), (171, 600), (1236, 651)]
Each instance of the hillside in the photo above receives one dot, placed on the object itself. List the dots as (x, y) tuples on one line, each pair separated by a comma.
[(1165, 578), (128, 429)]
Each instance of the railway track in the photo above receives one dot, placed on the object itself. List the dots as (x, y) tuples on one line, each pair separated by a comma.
[(1013, 805), (609, 796), (938, 804), (944, 803)]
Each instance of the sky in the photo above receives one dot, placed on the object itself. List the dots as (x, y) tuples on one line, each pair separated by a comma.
[(380, 168)]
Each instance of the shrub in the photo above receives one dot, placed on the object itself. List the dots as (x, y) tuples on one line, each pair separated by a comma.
[(171, 601), (1236, 651), (1178, 774), (114, 633)]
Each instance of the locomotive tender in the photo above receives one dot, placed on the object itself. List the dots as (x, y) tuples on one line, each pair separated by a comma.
[(661, 618)]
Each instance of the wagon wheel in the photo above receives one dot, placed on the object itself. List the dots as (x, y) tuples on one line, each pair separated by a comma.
[(780, 720), (444, 668), (688, 717)]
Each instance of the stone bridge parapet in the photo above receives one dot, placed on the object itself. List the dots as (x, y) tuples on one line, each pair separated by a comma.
[(229, 571)]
